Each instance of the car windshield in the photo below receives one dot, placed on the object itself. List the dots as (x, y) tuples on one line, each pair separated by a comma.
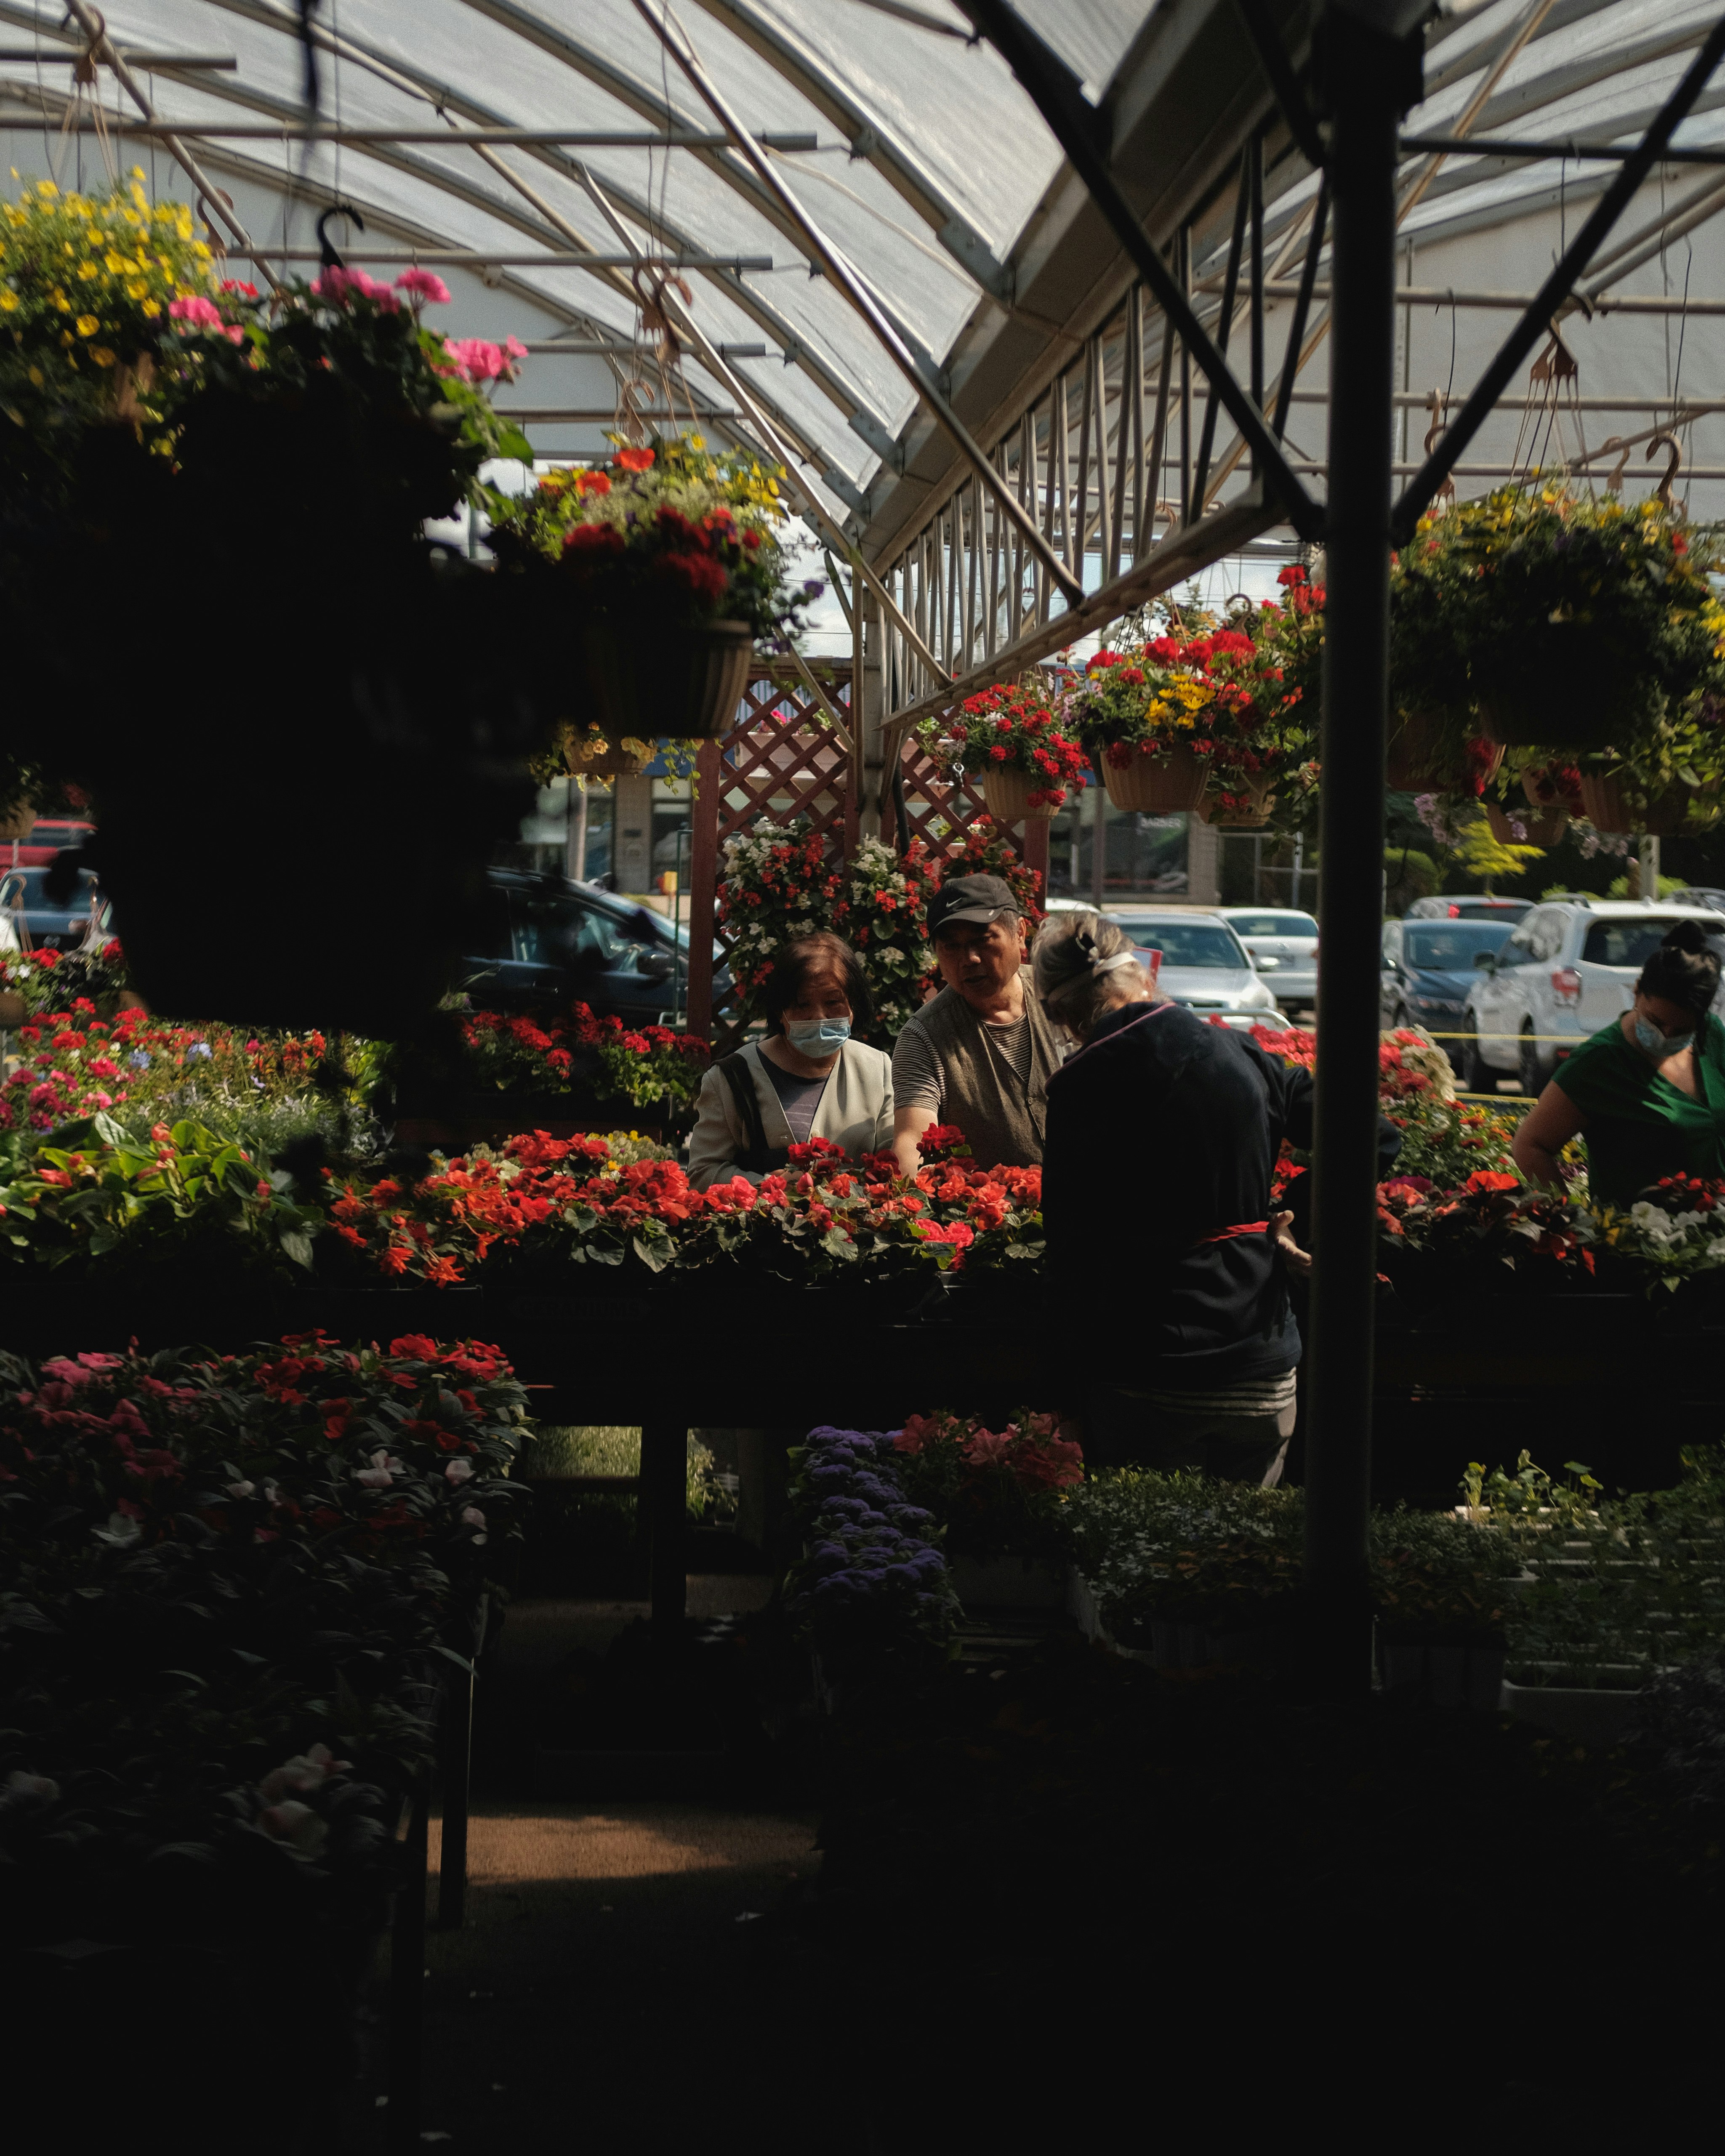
[(1450, 947), (23, 886), (1627, 943), (1273, 924), (1187, 942)]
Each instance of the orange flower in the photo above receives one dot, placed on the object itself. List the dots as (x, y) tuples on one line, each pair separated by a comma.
[(634, 460)]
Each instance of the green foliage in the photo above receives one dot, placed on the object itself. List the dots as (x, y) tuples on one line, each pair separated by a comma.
[(90, 1192)]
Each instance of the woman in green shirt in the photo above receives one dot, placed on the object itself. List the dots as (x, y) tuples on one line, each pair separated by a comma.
[(1647, 1092)]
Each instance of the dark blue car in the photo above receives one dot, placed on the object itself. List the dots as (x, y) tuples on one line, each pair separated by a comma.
[(1429, 966), (547, 942)]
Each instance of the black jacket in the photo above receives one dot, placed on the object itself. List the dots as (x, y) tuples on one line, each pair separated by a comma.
[(1162, 1133)]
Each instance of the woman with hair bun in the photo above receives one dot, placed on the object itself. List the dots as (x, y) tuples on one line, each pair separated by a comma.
[(1646, 1093)]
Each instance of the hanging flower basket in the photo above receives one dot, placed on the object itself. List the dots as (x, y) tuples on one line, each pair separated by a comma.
[(12, 1009), (1251, 813), (1539, 827), (1611, 807), (1007, 740), (1008, 797), (1156, 785), (1580, 703), (16, 824), (614, 759), (1421, 753), (689, 682)]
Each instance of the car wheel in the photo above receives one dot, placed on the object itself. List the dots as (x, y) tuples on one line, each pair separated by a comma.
[(1471, 1073), (1533, 1072)]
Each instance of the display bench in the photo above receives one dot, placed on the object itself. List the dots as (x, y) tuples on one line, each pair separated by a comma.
[(684, 1352)]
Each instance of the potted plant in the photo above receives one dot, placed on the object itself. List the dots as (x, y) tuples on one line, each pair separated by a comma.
[(1146, 715), (1562, 622), (391, 754), (1260, 720), (998, 1495), (673, 560), (1009, 736), (1551, 799)]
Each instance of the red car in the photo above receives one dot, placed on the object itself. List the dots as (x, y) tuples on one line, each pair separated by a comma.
[(48, 836)]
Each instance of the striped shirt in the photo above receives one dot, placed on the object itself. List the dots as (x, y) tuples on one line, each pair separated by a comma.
[(1253, 1396)]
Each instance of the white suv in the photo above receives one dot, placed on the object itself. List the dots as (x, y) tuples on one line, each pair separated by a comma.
[(1569, 968)]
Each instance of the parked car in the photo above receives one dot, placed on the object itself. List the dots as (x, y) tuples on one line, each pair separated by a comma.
[(1203, 964), (1429, 966), (547, 941), (1567, 969), (1284, 941), (1482, 907), (47, 836), (49, 928)]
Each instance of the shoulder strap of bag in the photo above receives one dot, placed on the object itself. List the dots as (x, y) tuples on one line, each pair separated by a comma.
[(739, 1077)]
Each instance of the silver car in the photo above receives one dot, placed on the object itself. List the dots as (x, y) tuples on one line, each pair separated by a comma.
[(1284, 941), (1204, 965)]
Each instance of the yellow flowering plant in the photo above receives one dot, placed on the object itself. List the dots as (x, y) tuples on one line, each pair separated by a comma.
[(87, 285)]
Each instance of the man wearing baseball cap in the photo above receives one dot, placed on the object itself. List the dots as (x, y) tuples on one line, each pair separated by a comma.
[(980, 1053)]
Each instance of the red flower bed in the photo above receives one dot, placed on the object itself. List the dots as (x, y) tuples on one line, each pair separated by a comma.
[(584, 1201)]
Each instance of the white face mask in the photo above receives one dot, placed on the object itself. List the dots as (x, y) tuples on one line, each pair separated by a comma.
[(1659, 1046), (816, 1036)]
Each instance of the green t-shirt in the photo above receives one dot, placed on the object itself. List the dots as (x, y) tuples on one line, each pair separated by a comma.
[(1640, 1126)]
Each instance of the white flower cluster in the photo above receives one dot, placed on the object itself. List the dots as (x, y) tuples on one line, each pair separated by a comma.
[(1691, 1242), (756, 932)]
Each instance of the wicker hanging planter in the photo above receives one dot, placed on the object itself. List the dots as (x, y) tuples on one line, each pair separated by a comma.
[(1156, 785), (1609, 807), (1420, 755), (1543, 826), (16, 824), (1253, 817), (647, 681), (1007, 796), (12, 1009)]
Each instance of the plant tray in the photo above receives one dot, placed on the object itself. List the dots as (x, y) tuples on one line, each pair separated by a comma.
[(1007, 1582), (1589, 1714)]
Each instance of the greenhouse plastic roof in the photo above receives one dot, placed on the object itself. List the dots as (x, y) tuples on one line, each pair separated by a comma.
[(930, 172)]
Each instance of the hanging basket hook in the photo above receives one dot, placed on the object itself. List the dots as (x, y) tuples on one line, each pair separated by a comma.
[(327, 253), (1663, 440)]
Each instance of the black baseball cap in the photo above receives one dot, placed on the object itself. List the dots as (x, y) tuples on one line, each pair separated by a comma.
[(979, 898)]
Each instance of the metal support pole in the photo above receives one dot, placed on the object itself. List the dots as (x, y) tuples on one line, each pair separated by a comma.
[(1367, 78), (406, 1986), (575, 843), (457, 1776), (664, 1447), (1099, 846)]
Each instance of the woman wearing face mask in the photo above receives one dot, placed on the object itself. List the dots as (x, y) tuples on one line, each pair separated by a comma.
[(1646, 1094), (808, 1078)]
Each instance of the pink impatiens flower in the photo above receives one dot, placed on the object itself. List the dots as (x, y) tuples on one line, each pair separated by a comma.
[(199, 313)]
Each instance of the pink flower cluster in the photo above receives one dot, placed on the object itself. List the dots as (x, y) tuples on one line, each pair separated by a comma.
[(191, 310), (476, 361)]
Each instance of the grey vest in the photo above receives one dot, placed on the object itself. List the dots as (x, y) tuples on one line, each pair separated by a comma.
[(1003, 1118)]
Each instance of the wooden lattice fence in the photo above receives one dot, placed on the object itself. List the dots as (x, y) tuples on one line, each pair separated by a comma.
[(785, 758)]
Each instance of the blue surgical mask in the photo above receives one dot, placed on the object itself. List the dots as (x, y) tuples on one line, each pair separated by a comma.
[(816, 1036), (1659, 1045)]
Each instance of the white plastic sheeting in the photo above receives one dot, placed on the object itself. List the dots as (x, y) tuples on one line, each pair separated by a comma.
[(930, 165)]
